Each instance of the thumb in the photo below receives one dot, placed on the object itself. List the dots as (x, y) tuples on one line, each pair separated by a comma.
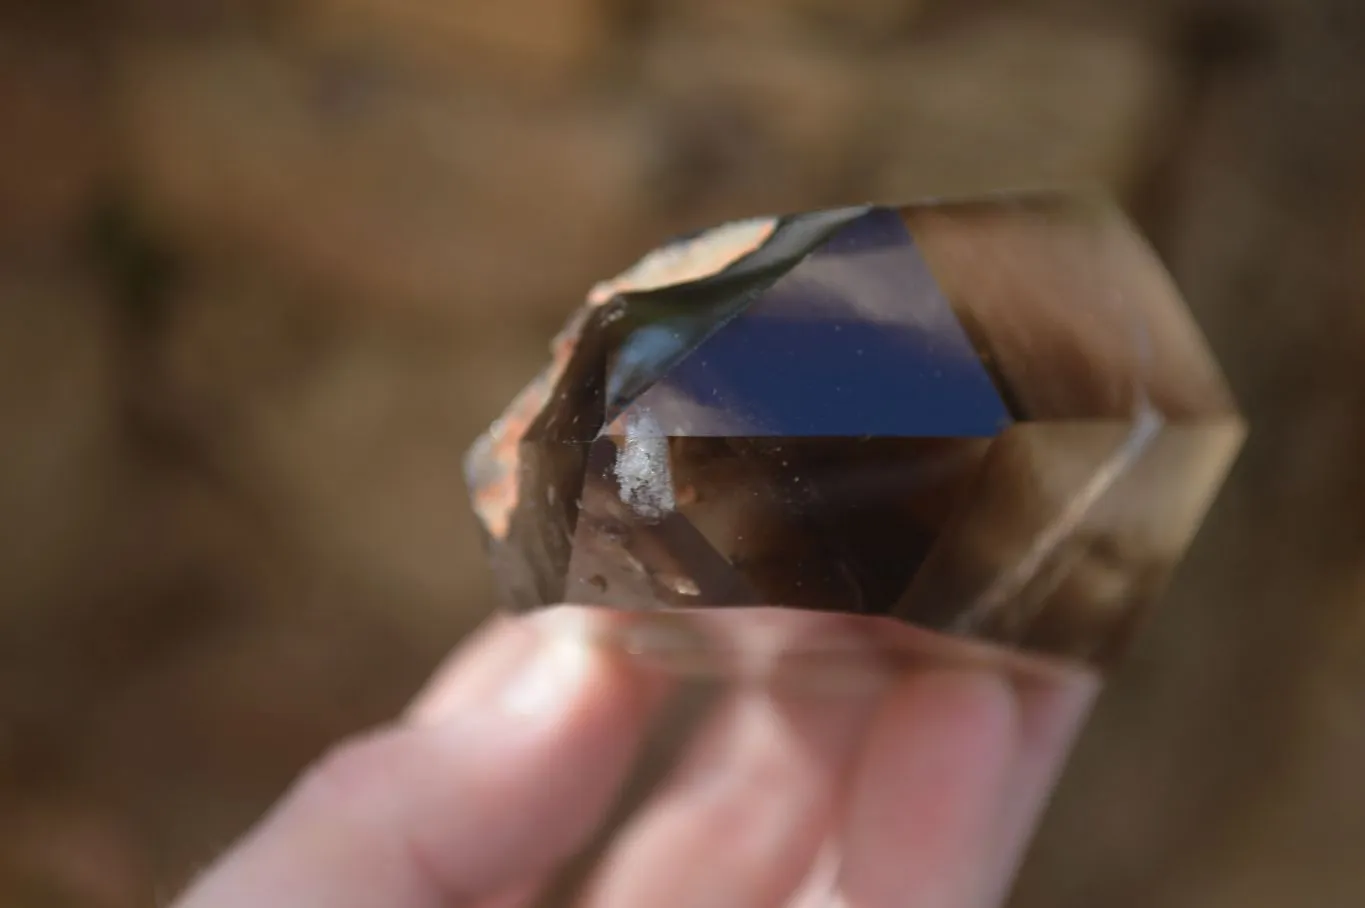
[(498, 773)]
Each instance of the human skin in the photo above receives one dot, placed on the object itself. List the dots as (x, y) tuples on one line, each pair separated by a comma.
[(505, 765)]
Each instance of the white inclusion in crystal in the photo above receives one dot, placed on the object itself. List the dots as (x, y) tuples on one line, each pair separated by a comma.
[(642, 470)]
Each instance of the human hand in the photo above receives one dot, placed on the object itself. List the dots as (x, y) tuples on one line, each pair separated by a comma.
[(505, 767)]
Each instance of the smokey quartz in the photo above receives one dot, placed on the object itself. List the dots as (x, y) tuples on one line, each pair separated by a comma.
[(991, 418)]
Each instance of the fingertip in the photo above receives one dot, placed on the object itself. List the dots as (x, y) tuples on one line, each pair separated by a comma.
[(473, 668), (928, 790)]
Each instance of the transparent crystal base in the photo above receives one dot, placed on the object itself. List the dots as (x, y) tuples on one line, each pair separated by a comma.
[(809, 760)]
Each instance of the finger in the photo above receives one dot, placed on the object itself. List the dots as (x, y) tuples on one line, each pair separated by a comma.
[(503, 768), (744, 818), (928, 791), (738, 825), (1052, 708)]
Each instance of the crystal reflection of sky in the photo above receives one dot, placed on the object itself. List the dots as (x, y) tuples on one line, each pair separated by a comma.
[(881, 356)]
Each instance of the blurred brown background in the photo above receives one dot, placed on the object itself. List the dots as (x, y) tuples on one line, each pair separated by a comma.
[(267, 267)]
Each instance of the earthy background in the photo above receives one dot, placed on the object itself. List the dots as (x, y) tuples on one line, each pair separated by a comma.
[(267, 267)]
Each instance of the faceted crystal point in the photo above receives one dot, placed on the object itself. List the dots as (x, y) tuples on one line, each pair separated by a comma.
[(991, 418)]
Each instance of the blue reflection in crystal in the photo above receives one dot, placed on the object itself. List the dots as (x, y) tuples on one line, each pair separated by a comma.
[(855, 340)]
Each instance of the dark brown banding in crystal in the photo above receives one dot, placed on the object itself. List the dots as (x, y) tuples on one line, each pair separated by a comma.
[(831, 524), (1070, 533), (1079, 317)]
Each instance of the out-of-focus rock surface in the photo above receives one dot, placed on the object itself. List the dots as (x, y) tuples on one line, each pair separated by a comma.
[(266, 268)]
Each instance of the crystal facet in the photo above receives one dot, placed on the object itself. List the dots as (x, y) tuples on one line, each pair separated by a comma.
[(990, 418)]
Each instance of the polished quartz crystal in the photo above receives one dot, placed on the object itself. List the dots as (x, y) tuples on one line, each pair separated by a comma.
[(990, 419)]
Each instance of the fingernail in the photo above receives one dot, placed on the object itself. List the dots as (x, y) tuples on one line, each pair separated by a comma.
[(524, 667), (558, 669)]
